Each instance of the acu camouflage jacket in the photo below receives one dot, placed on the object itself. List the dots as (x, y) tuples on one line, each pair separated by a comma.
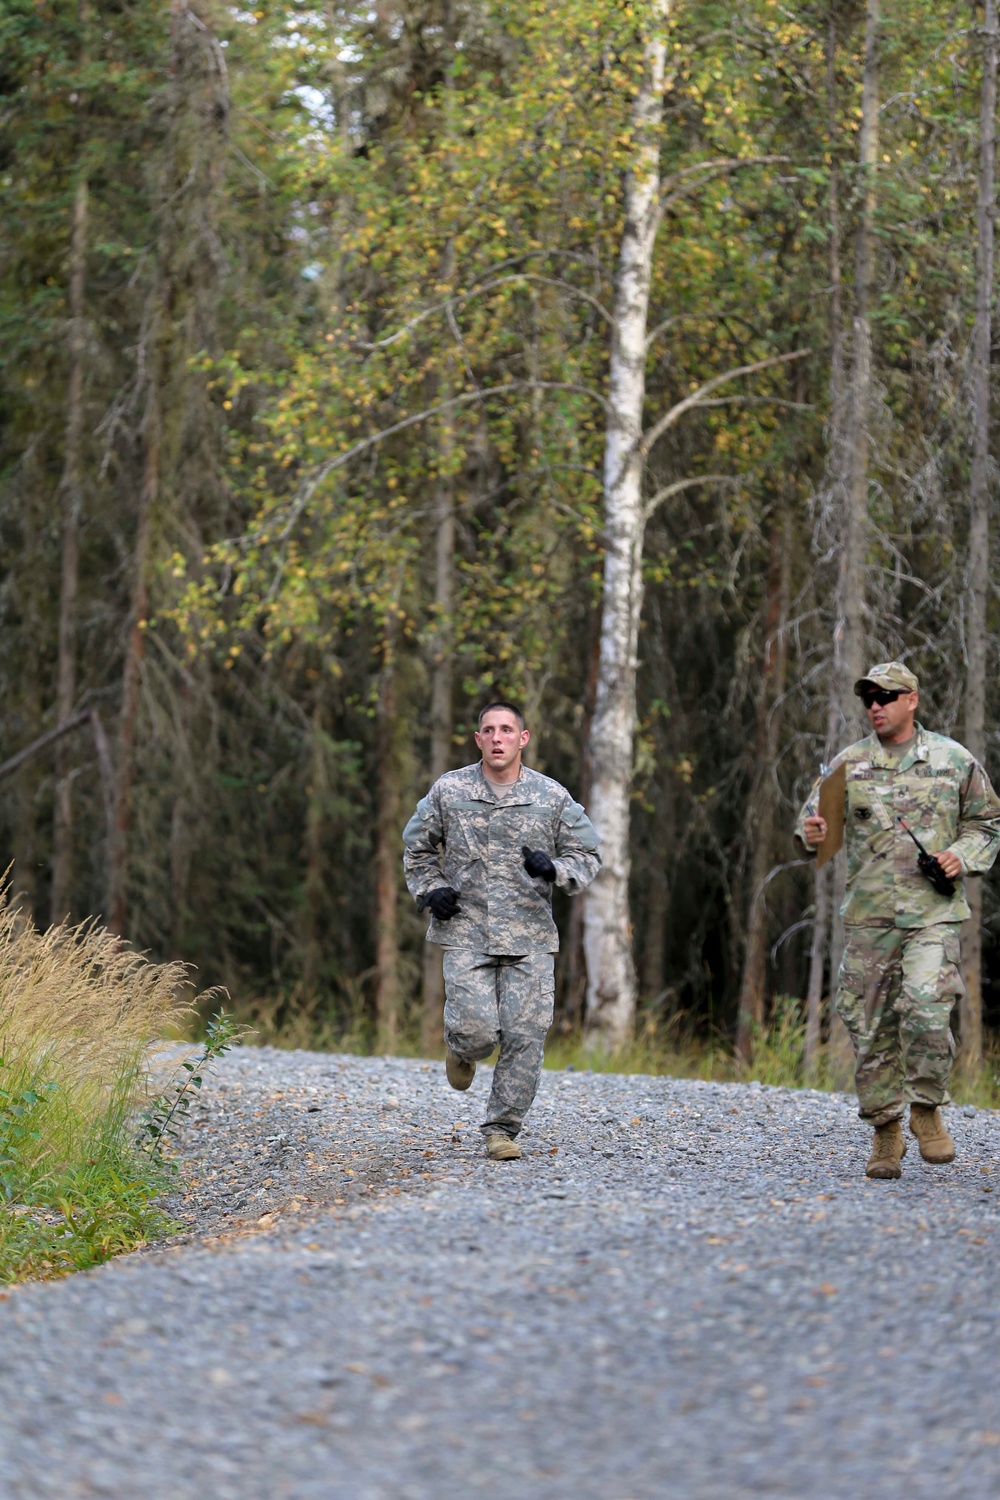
[(464, 836), (943, 793)]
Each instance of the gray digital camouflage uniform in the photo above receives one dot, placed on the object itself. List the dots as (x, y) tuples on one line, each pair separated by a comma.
[(498, 960), (900, 972)]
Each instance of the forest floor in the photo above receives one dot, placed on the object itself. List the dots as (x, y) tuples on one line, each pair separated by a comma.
[(683, 1291)]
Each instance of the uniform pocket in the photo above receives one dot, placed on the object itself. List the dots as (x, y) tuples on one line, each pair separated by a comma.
[(950, 983), (466, 835), (530, 996), (546, 1000)]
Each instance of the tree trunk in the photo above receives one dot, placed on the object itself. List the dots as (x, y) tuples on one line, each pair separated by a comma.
[(442, 679), (443, 636), (848, 634), (817, 968), (971, 1009), (836, 469), (71, 495), (611, 979), (179, 324), (317, 792), (763, 804), (135, 650), (575, 978), (849, 637), (387, 865), (181, 819)]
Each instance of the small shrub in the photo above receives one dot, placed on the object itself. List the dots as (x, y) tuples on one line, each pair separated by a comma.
[(167, 1110)]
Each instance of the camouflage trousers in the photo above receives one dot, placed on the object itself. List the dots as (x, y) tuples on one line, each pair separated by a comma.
[(492, 1000), (895, 992)]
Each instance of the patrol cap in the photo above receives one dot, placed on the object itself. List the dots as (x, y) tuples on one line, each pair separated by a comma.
[(888, 674)]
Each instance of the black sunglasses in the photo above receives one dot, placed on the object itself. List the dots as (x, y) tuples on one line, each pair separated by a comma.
[(882, 696)]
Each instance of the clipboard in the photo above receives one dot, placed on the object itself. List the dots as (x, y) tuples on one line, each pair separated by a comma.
[(832, 791)]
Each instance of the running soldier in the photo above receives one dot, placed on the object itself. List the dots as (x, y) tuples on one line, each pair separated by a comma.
[(900, 972), (483, 850)]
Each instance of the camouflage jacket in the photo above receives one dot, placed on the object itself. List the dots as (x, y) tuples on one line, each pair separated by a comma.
[(464, 836), (945, 796)]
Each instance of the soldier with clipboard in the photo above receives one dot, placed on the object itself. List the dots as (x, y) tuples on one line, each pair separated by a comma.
[(917, 814)]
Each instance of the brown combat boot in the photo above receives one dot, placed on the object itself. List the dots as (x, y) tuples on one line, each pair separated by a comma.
[(459, 1072), (936, 1145), (500, 1147), (887, 1151)]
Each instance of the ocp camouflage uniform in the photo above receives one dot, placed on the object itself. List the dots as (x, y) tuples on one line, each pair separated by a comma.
[(900, 974), (498, 960)]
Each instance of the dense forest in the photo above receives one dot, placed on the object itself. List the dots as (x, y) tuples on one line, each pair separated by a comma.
[(360, 363)]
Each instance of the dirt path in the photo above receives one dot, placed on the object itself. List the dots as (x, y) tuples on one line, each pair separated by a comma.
[(683, 1290)]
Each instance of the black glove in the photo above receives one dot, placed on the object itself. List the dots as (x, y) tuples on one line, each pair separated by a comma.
[(443, 902), (538, 864)]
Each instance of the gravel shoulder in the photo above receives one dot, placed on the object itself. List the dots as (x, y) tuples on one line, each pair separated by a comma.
[(682, 1290)]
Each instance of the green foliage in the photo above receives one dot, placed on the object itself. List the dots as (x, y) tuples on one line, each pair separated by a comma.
[(166, 1114), (82, 1219), (21, 1114)]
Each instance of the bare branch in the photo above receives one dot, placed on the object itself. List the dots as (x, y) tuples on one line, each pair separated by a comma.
[(486, 286), (678, 485), (707, 170), (697, 398), (694, 317), (8, 767), (468, 398)]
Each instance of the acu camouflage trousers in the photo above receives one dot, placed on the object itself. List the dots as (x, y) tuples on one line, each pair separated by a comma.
[(896, 989), (495, 1000)]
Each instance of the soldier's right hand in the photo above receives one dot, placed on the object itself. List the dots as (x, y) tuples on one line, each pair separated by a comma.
[(815, 831), (443, 902)]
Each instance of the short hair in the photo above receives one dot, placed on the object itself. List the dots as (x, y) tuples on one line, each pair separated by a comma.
[(511, 708)]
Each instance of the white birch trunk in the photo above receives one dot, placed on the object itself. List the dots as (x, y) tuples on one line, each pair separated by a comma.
[(611, 978), (971, 1010)]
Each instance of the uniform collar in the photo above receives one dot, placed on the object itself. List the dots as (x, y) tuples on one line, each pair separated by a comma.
[(919, 750), (517, 794)]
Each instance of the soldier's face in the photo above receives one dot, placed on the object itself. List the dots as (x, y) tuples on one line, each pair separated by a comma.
[(501, 739), (894, 721)]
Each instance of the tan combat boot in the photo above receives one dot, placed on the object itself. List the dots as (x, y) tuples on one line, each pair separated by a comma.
[(936, 1145), (459, 1072), (887, 1151), (500, 1147)]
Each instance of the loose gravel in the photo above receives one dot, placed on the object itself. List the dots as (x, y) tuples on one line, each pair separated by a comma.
[(682, 1290)]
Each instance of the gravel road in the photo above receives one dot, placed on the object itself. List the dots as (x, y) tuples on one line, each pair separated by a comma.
[(682, 1290)]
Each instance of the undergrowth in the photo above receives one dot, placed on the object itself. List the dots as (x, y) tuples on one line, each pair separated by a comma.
[(78, 1014), (675, 1049)]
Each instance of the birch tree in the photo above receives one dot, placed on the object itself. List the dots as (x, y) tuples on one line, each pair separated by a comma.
[(977, 589), (611, 975), (611, 982)]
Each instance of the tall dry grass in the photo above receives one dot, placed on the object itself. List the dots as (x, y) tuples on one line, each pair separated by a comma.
[(78, 1014), (78, 1011)]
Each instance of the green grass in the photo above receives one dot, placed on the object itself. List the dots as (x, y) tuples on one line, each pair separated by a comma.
[(78, 1013)]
